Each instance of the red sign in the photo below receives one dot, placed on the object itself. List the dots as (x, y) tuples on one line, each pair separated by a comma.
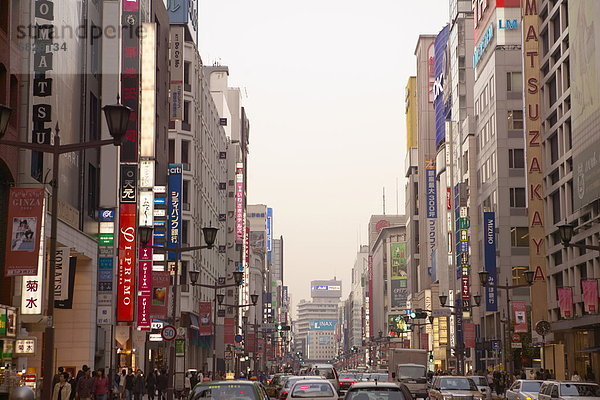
[(520, 316), (466, 295), (590, 296), (126, 273), (161, 281), (469, 332), (131, 5), (24, 229), (425, 341), (130, 77), (229, 328), (249, 342), (206, 328), (565, 302)]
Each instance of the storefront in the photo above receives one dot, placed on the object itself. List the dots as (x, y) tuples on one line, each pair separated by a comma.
[(581, 340)]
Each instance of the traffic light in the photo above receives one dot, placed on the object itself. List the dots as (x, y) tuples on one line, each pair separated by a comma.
[(279, 327), (282, 327), (418, 314)]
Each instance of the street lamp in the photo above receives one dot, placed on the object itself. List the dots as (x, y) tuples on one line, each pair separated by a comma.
[(117, 128), (484, 280), (565, 232), (209, 233)]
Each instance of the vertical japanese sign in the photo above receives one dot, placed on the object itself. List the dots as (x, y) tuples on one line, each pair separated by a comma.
[(67, 280), (399, 274), (370, 294), (177, 65), (148, 91), (533, 152), (160, 294), (130, 76), (239, 203), (174, 209), (469, 333), (489, 246), (431, 190), (144, 295), (519, 310), (590, 296), (24, 231), (565, 302), (229, 328), (205, 318), (32, 287), (269, 228)]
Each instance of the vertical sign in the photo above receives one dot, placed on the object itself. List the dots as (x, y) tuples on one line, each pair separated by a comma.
[(370, 296), (489, 246), (205, 318), (177, 64), (32, 287), (126, 273), (520, 316), (130, 76), (148, 86), (399, 274), (239, 203), (565, 302), (269, 228), (533, 151), (174, 199), (160, 290), (431, 190), (144, 295), (24, 227), (64, 280), (590, 296)]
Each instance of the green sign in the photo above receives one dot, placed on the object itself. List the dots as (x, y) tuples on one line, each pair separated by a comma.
[(7, 349), (2, 321), (398, 260), (179, 347), (106, 239)]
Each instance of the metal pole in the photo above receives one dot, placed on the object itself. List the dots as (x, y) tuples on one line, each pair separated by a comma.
[(509, 350), (48, 359), (214, 341), (255, 341)]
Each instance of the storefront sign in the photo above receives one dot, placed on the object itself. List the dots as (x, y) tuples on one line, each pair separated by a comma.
[(482, 46), (130, 76), (25, 346), (489, 246), (128, 193), (239, 203), (144, 294), (174, 211), (61, 278), (24, 231), (160, 290), (68, 270), (127, 261), (177, 63)]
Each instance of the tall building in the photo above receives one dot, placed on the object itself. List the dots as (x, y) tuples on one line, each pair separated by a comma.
[(569, 105), (317, 320), (357, 323)]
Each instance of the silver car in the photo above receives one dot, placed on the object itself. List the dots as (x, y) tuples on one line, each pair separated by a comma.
[(483, 385), (551, 390), (523, 389)]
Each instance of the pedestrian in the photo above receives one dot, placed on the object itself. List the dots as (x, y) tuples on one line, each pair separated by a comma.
[(138, 385), (590, 376), (161, 383), (73, 383), (85, 385), (56, 377), (62, 389), (552, 374), (101, 385), (575, 377), (523, 374), (129, 384), (122, 379), (151, 385), (194, 379), (187, 384)]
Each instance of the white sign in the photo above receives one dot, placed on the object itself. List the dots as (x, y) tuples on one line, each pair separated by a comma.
[(147, 174), (146, 208), (104, 316), (518, 345), (155, 337), (104, 299), (168, 332), (157, 325), (25, 346), (32, 286)]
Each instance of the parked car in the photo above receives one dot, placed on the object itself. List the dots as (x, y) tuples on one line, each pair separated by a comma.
[(238, 390), (313, 389), (523, 389), (551, 390), (484, 386), (453, 387), (378, 390), (287, 386)]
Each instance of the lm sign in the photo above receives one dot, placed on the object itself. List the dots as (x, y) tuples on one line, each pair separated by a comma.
[(508, 24)]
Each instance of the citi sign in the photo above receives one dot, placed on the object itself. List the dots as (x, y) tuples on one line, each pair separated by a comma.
[(508, 24)]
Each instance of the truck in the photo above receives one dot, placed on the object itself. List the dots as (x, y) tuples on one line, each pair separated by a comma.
[(409, 366)]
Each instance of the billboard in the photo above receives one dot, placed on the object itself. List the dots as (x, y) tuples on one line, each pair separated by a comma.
[(322, 325), (174, 208), (399, 274), (438, 87), (489, 246), (519, 310), (584, 40), (160, 294), (239, 203), (24, 231)]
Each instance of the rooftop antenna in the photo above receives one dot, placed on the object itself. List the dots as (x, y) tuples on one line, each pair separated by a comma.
[(384, 200)]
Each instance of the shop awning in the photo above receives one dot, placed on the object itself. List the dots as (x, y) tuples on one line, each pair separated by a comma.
[(589, 350)]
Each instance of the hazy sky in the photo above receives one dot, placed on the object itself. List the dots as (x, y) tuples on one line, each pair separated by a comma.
[(325, 86)]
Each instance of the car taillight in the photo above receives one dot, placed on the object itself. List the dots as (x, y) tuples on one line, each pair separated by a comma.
[(283, 396)]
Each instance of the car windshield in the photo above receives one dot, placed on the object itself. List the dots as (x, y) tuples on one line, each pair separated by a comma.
[(414, 372), (326, 373), (530, 387), (224, 392), (376, 394), (290, 382), (311, 390), (480, 380), (581, 390), (347, 377), (457, 384)]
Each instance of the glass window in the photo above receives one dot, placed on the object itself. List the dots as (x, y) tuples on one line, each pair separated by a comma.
[(515, 120), (518, 277), (218, 391), (519, 236), (516, 158), (517, 197), (311, 390), (376, 393), (514, 82), (185, 151), (579, 390), (531, 386), (457, 384)]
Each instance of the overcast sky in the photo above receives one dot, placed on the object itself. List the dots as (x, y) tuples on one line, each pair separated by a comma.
[(325, 86)]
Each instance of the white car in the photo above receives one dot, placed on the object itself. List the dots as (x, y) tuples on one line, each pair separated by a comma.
[(523, 389), (483, 386), (313, 389)]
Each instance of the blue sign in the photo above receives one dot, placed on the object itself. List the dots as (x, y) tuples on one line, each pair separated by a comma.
[(489, 246), (105, 275), (269, 228), (508, 24), (107, 215), (431, 192), (480, 49), (322, 325), (105, 263), (184, 12), (441, 111), (174, 208), (322, 287)]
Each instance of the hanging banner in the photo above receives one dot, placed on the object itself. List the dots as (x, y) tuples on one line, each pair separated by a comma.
[(144, 295), (127, 261), (174, 200), (32, 287), (469, 332), (24, 223), (565, 302), (519, 310), (205, 318), (69, 269), (61, 278), (590, 296), (229, 334), (160, 291), (489, 246), (239, 203)]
